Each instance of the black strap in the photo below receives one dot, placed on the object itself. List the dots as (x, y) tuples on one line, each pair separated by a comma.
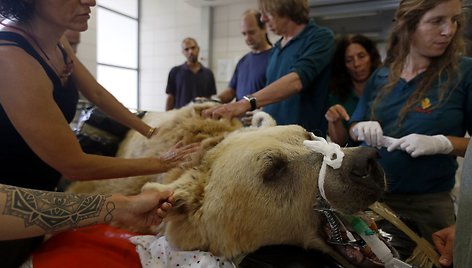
[(10, 44), (26, 46)]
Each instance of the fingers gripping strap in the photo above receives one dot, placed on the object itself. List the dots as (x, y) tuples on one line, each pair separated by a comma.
[(332, 156)]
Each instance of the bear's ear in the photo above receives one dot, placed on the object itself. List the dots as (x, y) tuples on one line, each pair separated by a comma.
[(274, 167)]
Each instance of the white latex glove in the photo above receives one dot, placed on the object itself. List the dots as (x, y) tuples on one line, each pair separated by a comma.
[(369, 131), (417, 145)]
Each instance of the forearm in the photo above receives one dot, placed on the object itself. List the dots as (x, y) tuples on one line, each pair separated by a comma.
[(281, 89), (337, 133), (113, 108), (99, 96), (227, 95), (64, 154), (92, 167), (28, 213), (459, 144), (170, 102), (350, 132)]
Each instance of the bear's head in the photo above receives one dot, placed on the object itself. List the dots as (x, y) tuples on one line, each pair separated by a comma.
[(260, 187)]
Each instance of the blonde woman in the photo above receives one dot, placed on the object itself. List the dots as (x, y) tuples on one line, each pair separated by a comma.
[(422, 98)]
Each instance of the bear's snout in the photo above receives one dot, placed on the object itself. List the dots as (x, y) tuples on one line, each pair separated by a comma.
[(365, 169), (365, 162)]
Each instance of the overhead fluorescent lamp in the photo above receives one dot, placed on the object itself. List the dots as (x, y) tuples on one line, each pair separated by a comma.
[(348, 15), (352, 8)]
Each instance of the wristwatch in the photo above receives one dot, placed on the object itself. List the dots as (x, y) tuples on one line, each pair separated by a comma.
[(252, 101)]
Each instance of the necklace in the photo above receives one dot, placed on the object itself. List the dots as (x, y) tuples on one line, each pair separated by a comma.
[(407, 75), (69, 63)]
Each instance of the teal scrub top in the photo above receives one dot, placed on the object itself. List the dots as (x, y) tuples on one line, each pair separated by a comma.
[(308, 55), (453, 117)]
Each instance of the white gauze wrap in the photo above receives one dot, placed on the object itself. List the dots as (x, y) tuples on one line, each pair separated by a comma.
[(333, 157)]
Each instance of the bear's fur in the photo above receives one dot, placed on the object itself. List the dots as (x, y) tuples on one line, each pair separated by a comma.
[(247, 187), (259, 187)]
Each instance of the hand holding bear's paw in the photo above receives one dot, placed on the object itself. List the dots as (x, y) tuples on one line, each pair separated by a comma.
[(145, 209)]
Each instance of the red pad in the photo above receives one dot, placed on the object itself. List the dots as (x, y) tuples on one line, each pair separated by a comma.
[(93, 246)]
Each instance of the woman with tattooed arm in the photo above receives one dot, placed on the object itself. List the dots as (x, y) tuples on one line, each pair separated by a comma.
[(40, 81)]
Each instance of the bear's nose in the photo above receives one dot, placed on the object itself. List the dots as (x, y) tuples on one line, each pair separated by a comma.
[(365, 161)]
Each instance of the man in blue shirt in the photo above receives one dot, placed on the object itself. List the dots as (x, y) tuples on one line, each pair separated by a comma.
[(298, 71), (189, 80), (250, 73)]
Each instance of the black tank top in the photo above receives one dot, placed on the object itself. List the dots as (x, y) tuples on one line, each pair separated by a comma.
[(19, 165)]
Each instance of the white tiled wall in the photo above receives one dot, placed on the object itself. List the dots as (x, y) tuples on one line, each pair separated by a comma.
[(87, 50), (227, 41), (164, 24)]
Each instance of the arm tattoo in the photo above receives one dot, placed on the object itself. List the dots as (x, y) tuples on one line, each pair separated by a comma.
[(51, 210), (110, 209)]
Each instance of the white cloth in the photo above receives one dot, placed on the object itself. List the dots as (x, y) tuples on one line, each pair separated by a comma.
[(156, 252), (28, 263)]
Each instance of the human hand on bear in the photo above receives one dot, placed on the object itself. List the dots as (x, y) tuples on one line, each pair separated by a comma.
[(179, 154)]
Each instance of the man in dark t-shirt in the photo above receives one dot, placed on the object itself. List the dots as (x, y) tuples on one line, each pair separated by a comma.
[(189, 80)]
